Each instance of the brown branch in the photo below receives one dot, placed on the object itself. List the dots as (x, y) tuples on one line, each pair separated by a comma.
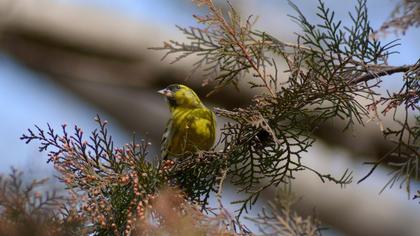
[(228, 28), (382, 72)]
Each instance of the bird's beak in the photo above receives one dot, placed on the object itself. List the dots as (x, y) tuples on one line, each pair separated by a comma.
[(165, 92)]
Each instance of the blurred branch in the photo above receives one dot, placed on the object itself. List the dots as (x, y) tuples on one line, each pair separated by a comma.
[(25, 210), (103, 60), (60, 23), (281, 219), (406, 14)]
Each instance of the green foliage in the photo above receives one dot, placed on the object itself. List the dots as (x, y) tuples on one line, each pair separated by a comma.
[(197, 175), (112, 184), (331, 68), (264, 143), (227, 48), (404, 156)]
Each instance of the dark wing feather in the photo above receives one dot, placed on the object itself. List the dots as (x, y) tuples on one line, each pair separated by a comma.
[(164, 143)]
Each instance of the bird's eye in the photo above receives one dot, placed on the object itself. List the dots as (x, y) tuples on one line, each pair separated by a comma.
[(174, 87)]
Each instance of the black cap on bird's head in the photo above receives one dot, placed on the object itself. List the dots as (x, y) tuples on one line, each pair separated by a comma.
[(170, 90), (179, 95)]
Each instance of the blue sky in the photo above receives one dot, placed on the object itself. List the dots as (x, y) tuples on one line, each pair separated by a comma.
[(26, 99)]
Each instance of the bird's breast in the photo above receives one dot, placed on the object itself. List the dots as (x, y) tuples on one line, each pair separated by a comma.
[(193, 129)]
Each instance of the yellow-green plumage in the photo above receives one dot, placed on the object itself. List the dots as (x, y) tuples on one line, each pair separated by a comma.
[(192, 126)]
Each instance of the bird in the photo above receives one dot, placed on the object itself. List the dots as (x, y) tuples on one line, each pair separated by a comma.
[(191, 127)]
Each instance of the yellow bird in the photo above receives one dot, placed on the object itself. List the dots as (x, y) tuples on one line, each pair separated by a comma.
[(192, 126)]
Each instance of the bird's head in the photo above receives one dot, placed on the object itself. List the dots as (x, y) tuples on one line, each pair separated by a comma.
[(179, 95)]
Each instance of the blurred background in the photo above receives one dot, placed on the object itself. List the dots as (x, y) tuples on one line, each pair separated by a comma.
[(64, 61)]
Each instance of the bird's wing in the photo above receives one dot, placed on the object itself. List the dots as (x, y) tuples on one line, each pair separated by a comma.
[(164, 143)]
